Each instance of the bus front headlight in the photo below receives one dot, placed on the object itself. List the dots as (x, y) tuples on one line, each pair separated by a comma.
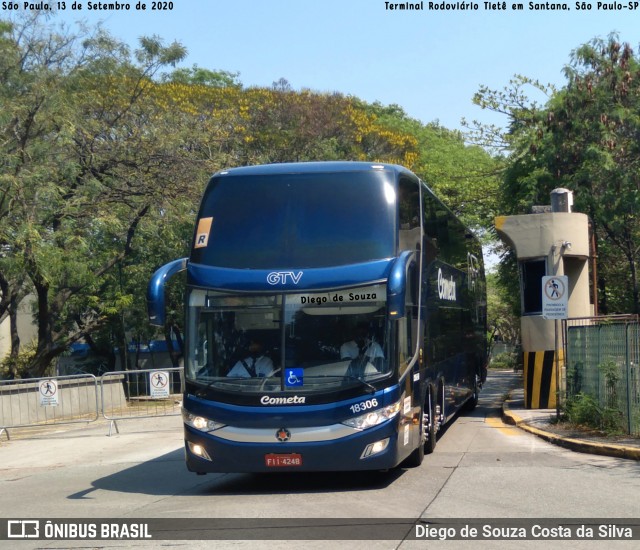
[(200, 422), (373, 418)]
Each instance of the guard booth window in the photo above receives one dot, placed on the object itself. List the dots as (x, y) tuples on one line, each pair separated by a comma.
[(531, 273)]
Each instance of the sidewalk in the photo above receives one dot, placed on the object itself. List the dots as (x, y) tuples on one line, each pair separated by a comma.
[(542, 422)]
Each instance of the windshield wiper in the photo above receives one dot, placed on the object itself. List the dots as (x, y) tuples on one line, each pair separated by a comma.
[(204, 386), (370, 387), (234, 380)]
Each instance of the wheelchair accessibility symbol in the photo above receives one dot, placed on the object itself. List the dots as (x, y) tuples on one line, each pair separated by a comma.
[(293, 377)]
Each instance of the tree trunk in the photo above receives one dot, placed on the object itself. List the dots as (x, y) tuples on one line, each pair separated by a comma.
[(15, 339), (45, 352), (169, 340), (634, 282)]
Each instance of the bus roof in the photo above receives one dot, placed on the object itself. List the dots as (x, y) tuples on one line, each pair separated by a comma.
[(308, 167)]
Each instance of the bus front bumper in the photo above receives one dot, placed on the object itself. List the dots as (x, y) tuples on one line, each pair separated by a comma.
[(373, 449)]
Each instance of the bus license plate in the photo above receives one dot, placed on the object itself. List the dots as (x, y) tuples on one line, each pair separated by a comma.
[(277, 461)]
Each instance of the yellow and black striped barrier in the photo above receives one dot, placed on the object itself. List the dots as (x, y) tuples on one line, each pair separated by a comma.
[(540, 379)]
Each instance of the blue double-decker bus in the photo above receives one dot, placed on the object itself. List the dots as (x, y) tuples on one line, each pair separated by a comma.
[(335, 319)]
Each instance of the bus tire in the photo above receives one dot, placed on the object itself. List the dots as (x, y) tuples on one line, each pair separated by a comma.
[(472, 402), (417, 456), (430, 422)]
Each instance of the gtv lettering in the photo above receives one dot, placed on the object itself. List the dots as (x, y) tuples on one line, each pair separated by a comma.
[(283, 277)]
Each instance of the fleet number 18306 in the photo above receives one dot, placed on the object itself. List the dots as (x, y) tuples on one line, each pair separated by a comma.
[(364, 406)]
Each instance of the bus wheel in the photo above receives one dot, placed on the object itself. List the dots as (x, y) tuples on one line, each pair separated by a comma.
[(417, 456), (472, 402), (430, 422)]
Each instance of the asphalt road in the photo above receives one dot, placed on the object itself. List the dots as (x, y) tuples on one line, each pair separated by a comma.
[(481, 468)]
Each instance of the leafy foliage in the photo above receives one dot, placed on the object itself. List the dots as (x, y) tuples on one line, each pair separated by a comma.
[(584, 138), (502, 312), (103, 157), (80, 169), (585, 410)]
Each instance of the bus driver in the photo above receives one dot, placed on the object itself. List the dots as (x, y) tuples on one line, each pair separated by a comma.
[(361, 344), (256, 364)]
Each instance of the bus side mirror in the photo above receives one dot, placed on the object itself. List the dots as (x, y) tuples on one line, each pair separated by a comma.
[(155, 290), (397, 284)]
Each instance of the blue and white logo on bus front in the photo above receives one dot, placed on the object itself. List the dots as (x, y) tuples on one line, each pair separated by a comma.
[(290, 400), (284, 277), (293, 377)]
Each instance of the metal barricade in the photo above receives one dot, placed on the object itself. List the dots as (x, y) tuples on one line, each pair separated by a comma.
[(37, 402), (141, 394), (603, 358)]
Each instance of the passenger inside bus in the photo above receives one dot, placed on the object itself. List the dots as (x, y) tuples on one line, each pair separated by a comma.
[(362, 349), (255, 364)]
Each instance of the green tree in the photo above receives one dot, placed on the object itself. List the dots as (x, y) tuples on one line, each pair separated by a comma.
[(465, 177), (82, 165), (203, 77), (594, 129), (503, 317), (103, 159), (584, 138)]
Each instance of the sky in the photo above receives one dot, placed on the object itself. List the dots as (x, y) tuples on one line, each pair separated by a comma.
[(430, 62)]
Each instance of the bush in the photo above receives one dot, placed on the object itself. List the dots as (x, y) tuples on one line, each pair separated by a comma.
[(508, 360), (584, 410), (17, 366)]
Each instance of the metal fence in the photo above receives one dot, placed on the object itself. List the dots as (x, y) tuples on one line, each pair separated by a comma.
[(46, 401), (141, 394), (83, 398), (602, 362)]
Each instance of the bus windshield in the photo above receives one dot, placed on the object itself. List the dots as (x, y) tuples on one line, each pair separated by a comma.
[(288, 342), (304, 220)]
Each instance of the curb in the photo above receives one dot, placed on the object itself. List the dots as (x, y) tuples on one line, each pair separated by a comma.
[(576, 445)]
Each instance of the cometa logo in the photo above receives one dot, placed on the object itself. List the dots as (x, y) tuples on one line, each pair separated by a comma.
[(293, 400), (446, 287)]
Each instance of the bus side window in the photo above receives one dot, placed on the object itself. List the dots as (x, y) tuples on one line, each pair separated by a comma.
[(409, 215), (409, 326)]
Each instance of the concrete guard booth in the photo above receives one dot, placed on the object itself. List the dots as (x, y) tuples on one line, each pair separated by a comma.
[(552, 241)]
